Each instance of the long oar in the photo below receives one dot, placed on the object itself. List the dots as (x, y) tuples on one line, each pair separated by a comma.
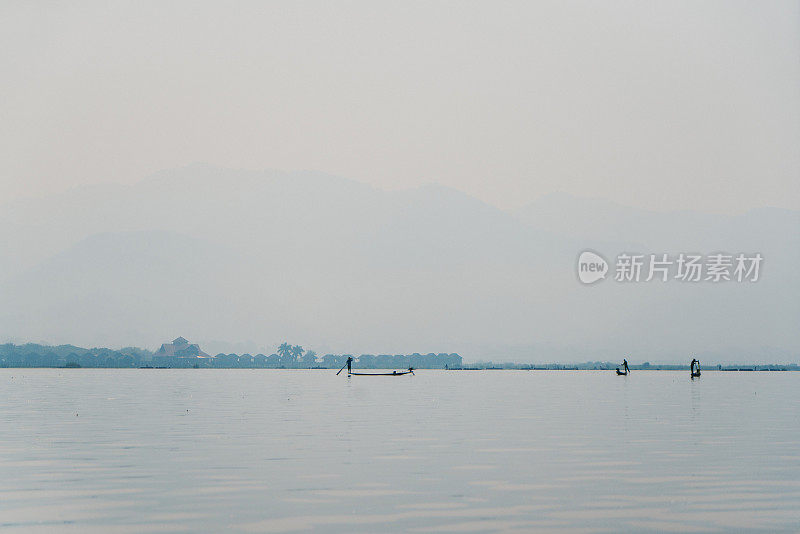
[(342, 369)]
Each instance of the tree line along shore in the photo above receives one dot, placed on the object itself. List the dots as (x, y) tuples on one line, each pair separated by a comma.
[(187, 356), (183, 355)]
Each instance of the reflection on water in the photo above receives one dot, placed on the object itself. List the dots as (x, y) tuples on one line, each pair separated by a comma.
[(91, 450)]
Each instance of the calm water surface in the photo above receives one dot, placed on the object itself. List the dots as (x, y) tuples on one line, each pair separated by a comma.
[(146, 450)]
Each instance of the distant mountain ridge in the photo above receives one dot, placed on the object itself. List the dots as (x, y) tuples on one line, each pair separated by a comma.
[(676, 230), (344, 267)]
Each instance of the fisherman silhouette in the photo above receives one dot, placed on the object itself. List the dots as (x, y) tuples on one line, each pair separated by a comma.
[(625, 365), (697, 363), (349, 365)]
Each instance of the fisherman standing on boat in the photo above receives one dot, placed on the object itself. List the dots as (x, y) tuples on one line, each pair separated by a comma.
[(349, 365), (625, 365), (695, 373)]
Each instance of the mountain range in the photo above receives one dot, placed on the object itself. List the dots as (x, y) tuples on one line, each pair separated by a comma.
[(255, 258)]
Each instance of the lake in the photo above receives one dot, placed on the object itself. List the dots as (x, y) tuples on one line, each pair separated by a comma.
[(151, 450)]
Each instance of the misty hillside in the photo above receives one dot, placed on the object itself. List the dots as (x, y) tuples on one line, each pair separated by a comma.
[(218, 254), (766, 230)]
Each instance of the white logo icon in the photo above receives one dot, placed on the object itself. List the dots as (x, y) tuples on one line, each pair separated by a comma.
[(591, 267)]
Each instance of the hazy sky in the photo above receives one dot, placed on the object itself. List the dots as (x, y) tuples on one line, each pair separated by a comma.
[(654, 104)]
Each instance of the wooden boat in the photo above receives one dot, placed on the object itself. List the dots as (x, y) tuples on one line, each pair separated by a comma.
[(393, 373), (622, 373), (350, 371)]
